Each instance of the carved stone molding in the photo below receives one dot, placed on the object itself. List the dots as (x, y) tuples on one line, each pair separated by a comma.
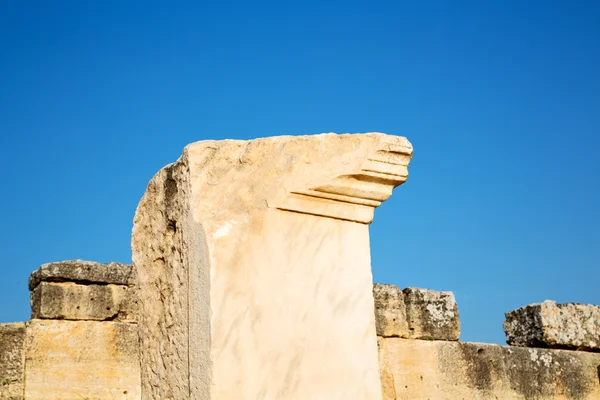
[(254, 272), (354, 195)]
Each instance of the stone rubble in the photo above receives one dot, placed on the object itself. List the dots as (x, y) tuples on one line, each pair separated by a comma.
[(390, 311), (415, 313), (431, 314), (548, 324)]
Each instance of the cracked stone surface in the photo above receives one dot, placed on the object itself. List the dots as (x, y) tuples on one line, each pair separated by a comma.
[(390, 311), (84, 272), (431, 314), (548, 324)]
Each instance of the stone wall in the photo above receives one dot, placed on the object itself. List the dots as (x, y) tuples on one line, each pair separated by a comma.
[(443, 370), (82, 339), (255, 283), (84, 344), (427, 362)]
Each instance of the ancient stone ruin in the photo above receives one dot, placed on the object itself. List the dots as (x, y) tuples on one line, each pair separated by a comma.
[(251, 279)]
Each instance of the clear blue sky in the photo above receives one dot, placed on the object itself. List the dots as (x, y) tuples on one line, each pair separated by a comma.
[(501, 101)]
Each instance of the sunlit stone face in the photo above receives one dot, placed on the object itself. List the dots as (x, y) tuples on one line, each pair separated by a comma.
[(255, 256)]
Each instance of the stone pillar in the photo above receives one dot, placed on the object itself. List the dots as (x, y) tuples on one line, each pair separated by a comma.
[(254, 268)]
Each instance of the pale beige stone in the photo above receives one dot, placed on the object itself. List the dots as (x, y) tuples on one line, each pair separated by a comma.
[(570, 326), (81, 360), (443, 370), (12, 336), (68, 300), (254, 268)]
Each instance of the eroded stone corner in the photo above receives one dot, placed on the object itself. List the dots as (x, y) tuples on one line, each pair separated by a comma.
[(163, 229)]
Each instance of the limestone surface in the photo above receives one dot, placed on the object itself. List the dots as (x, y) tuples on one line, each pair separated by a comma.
[(390, 311), (569, 326), (72, 301), (81, 360), (444, 370), (12, 336), (254, 268), (431, 314), (83, 272)]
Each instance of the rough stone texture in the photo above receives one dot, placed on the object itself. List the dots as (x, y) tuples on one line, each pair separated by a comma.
[(83, 272), (81, 360), (431, 315), (68, 300), (547, 324), (254, 268), (390, 311), (442, 370), (12, 336)]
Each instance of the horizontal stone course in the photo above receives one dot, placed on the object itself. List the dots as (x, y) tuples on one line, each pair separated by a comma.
[(443, 370), (415, 313), (548, 324), (81, 360), (84, 272), (72, 301)]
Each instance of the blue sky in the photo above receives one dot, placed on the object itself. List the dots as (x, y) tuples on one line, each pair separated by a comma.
[(501, 101)]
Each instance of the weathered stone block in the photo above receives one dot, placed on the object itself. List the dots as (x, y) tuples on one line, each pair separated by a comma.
[(83, 272), (547, 324), (254, 268), (72, 301), (81, 360), (12, 337), (431, 314), (390, 311), (443, 370)]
